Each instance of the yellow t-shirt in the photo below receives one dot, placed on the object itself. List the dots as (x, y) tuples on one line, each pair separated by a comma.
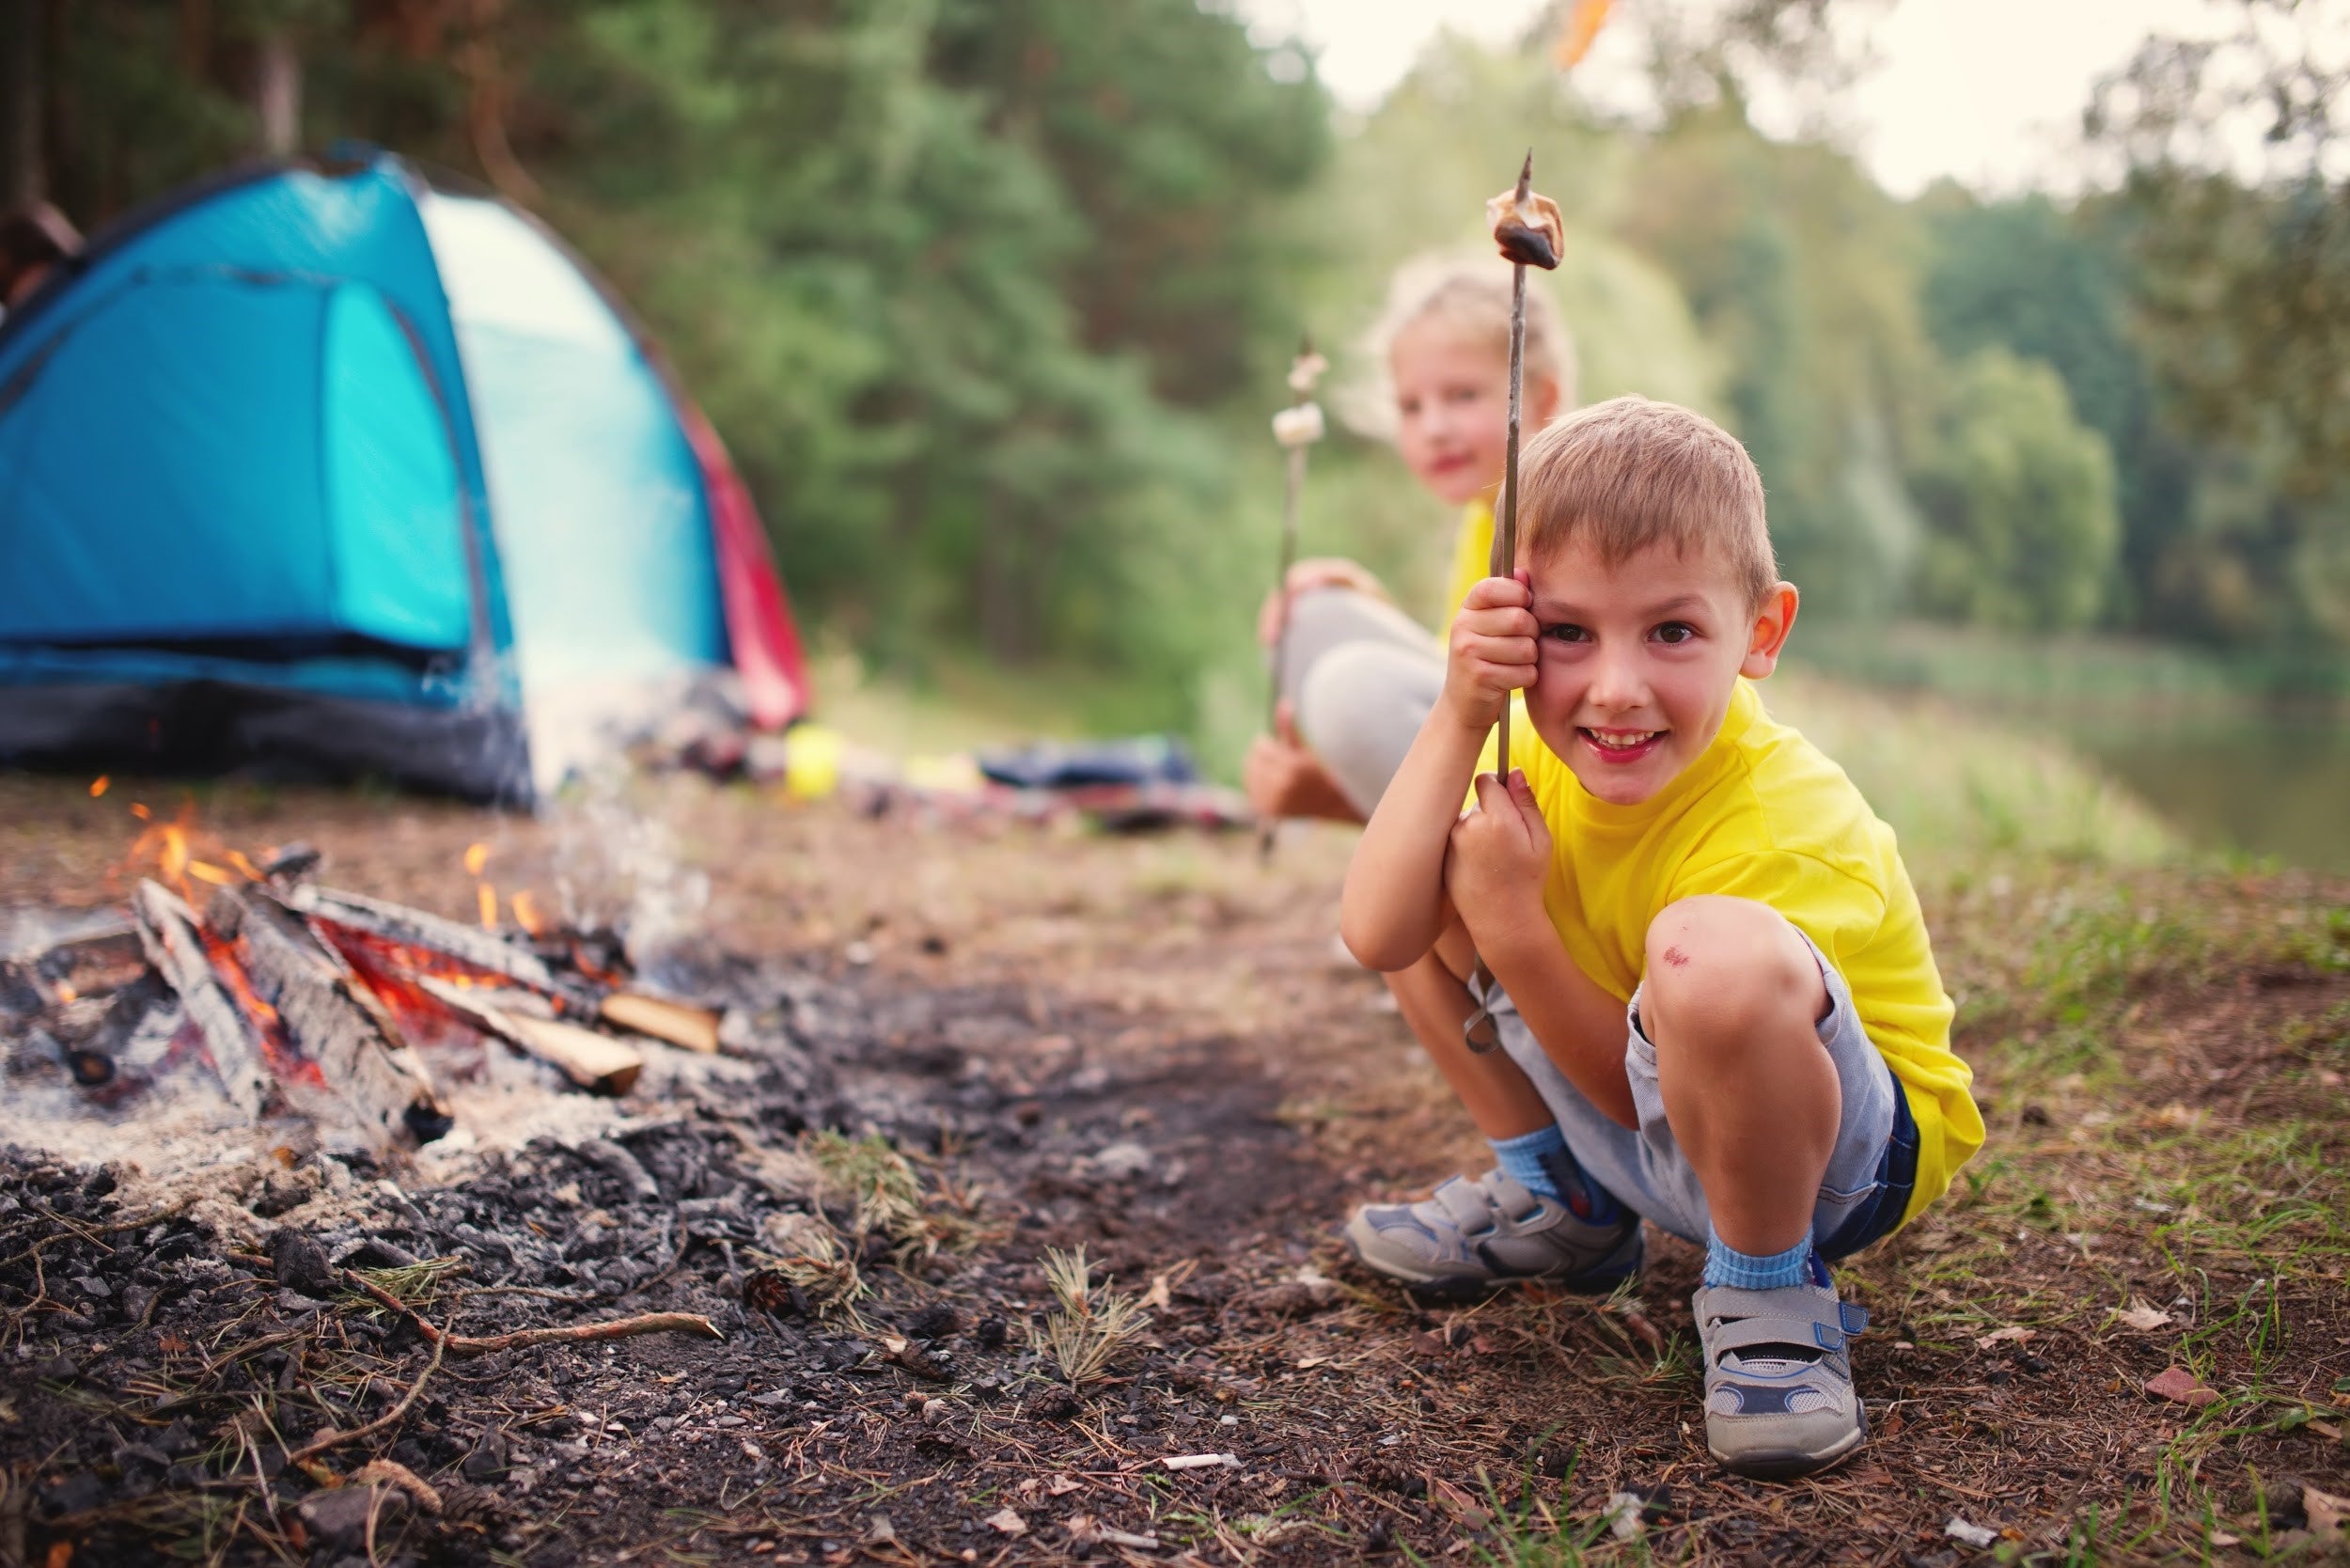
[(1764, 815), (1472, 560)]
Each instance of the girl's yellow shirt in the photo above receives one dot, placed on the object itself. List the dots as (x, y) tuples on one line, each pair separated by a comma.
[(1762, 814), (1472, 558)]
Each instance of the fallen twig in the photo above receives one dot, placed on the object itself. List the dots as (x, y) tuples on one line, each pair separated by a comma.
[(316, 1446), (468, 1344)]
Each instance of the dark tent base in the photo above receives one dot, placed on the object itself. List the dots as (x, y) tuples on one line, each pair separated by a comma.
[(209, 727)]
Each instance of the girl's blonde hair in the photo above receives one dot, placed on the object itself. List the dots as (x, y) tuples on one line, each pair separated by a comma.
[(1469, 294)]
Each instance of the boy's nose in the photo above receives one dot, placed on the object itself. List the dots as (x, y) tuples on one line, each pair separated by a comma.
[(1615, 681)]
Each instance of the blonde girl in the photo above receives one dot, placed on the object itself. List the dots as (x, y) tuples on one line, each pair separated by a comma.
[(1360, 675)]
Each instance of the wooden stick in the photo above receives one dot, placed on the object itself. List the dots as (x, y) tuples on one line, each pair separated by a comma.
[(1304, 372), (679, 1024), (593, 1061), (1528, 229), (467, 1345), (1505, 556)]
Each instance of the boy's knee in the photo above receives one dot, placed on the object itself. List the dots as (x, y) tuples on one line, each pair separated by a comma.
[(1721, 970)]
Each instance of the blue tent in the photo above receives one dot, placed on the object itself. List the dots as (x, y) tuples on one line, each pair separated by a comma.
[(319, 469)]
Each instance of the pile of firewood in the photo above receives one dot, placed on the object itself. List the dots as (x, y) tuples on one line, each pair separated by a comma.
[(333, 1006)]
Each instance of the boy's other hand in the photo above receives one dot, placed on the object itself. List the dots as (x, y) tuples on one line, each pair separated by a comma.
[(1496, 859), (1491, 651), (1313, 572)]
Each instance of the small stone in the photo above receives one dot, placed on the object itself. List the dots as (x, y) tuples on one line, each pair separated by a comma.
[(94, 1287), (1123, 1160), (301, 1263), (56, 1369), (487, 1458)]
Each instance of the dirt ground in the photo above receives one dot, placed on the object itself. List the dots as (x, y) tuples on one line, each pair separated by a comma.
[(1152, 1048)]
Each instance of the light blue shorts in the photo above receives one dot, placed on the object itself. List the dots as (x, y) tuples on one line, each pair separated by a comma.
[(1868, 1177)]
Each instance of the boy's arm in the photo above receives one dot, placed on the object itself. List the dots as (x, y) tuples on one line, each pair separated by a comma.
[(1393, 907), (1499, 856)]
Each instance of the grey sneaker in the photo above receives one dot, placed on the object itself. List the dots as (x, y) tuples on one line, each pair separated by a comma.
[(1468, 1238), (1779, 1394)]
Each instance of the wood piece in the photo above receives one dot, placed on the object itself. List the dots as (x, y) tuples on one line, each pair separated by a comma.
[(370, 1077), (680, 1024), (590, 1059), (470, 946), (167, 928)]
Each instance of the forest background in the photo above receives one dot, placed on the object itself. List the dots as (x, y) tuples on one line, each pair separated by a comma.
[(991, 299)]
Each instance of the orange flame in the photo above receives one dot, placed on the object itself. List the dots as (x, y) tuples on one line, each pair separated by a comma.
[(476, 856), (488, 898), (98, 785), (526, 913)]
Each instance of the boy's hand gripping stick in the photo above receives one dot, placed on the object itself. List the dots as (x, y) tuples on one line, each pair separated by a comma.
[(1296, 428), (1531, 233)]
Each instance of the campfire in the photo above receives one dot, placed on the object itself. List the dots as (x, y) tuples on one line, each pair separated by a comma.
[(348, 1011)]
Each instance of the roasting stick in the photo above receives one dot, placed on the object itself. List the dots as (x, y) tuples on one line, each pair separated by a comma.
[(1531, 232), (1296, 428)]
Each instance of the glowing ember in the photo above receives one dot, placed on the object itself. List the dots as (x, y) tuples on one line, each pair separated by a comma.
[(526, 913), (476, 856), (98, 785)]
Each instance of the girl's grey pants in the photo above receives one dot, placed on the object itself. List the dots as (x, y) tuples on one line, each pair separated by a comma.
[(1360, 675)]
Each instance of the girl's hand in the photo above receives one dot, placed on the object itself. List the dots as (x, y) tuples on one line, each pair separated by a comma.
[(1316, 571), (1491, 651), (1496, 859)]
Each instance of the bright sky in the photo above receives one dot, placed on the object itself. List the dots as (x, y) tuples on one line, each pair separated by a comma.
[(1986, 92)]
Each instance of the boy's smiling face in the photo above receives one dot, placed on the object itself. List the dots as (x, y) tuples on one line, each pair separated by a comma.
[(1638, 662)]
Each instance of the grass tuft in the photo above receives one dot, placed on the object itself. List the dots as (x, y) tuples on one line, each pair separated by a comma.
[(1092, 1323)]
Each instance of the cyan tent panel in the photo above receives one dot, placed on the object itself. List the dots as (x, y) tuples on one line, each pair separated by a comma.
[(400, 573), (601, 520), (163, 479)]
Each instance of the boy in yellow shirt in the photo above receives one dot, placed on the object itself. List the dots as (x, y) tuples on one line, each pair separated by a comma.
[(1663, 855)]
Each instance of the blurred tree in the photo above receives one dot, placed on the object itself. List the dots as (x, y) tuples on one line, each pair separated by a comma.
[(1800, 270), (2017, 496), (2238, 219)]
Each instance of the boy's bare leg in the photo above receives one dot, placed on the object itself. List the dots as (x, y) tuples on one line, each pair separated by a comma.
[(1732, 997), (1430, 995)]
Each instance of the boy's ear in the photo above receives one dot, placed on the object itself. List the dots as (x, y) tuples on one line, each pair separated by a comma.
[(1772, 623)]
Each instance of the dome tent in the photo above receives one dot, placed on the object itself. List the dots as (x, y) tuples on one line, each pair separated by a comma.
[(325, 467)]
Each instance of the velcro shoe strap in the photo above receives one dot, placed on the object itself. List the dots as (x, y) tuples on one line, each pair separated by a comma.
[(1466, 1204), (1742, 1333)]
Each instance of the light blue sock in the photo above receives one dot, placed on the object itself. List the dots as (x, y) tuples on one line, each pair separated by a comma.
[(1530, 1158), (1726, 1265)]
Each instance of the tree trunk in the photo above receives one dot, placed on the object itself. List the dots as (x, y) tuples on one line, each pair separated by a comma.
[(23, 182), (277, 95)]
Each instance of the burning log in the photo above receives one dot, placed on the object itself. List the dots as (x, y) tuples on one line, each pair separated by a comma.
[(358, 1049), (590, 1059), (469, 946), (175, 944), (679, 1024)]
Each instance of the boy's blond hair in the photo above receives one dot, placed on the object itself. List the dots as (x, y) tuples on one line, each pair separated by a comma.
[(1471, 296), (1631, 473)]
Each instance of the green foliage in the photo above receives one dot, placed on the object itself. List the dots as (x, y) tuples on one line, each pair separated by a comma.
[(2019, 501)]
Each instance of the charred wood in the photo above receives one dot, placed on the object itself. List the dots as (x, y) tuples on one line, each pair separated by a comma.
[(174, 945), (379, 1080), (470, 946)]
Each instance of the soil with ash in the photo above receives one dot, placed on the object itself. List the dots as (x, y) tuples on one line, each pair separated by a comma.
[(1146, 1049)]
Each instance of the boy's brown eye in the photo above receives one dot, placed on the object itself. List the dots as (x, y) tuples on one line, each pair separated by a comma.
[(1675, 632), (1566, 632)]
